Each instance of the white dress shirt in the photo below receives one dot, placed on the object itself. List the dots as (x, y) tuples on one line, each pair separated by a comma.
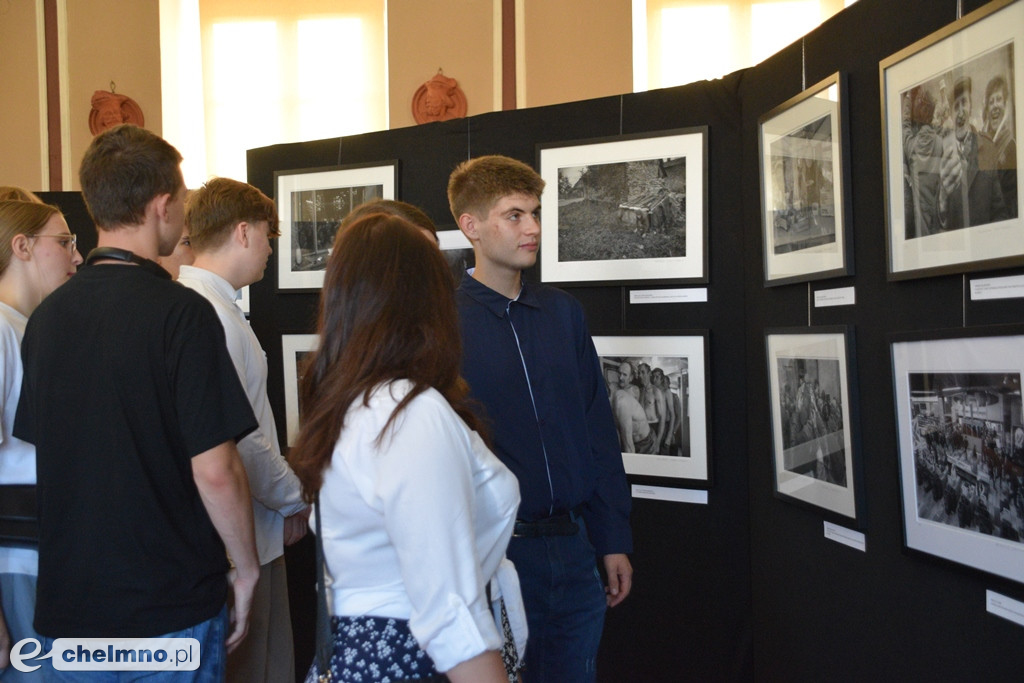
[(414, 527), (276, 492), (17, 457)]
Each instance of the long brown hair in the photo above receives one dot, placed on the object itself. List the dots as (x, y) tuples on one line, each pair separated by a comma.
[(387, 312)]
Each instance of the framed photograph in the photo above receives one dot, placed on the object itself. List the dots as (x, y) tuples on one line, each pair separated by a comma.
[(457, 250), (952, 118), (814, 428), (804, 187), (961, 447), (294, 348), (311, 204), (630, 208), (658, 390)]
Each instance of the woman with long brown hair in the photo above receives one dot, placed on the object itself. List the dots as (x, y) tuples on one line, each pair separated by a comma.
[(416, 511)]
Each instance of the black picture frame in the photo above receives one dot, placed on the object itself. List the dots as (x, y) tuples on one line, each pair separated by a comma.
[(805, 191), (628, 208), (311, 204), (682, 456), (960, 433), (953, 195), (815, 423)]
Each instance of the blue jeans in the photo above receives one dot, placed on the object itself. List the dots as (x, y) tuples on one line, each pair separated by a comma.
[(212, 656), (565, 605)]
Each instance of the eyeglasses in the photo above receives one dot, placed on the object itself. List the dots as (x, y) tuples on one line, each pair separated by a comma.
[(69, 242)]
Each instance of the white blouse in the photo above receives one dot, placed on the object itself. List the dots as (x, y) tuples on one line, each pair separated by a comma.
[(416, 526), (17, 457)]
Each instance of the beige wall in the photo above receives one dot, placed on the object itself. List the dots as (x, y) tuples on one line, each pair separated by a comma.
[(575, 50), (21, 130), (111, 40), (106, 40), (457, 36)]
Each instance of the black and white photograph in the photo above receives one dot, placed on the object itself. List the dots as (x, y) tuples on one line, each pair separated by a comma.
[(802, 185), (656, 388), (969, 451), (813, 437), (294, 349), (811, 417), (959, 152), (628, 208), (649, 398), (311, 205), (457, 251), (625, 210), (953, 117), (961, 448)]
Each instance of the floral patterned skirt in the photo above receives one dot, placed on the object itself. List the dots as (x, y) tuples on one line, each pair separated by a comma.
[(383, 650), (375, 650)]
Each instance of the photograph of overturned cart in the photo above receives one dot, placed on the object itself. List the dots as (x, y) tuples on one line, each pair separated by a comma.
[(625, 210)]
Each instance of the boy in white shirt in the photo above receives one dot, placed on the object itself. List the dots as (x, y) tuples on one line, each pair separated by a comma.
[(231, 224)]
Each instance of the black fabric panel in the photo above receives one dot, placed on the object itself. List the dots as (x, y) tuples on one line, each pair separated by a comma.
[(823, 611)]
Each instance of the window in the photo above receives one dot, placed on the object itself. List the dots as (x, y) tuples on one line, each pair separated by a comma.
[(681, 41), (270, 72)]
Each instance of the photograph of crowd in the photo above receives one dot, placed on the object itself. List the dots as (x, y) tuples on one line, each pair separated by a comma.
[(811, 418), (622, 210), (968, 442), (315, 217), (649, 397), (959, 146), (802, 182)]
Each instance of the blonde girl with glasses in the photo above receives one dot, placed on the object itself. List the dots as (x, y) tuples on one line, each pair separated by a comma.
[(37, 254)]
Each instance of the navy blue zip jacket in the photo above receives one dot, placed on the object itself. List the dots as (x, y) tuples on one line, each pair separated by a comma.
[(532, 365)]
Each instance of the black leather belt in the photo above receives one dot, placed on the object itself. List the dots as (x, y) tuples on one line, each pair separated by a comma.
[(556, 525)]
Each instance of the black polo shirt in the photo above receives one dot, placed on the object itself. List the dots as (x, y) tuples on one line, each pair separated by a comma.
[(127, 377)]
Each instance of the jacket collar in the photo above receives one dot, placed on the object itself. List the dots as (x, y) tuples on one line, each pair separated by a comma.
[(493, 301)]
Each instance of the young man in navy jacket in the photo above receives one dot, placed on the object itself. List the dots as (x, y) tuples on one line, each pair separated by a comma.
[(529, 359)]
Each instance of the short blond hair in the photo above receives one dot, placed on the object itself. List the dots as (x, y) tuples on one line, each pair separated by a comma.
[(475, 186), (212, 211)]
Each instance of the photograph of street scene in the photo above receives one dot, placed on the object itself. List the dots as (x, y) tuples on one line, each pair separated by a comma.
[(969, 451)]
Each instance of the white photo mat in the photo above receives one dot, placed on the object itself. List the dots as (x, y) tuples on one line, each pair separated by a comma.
[(824, 357), (998, 356), (956, 50), (364, 182), (783, 140), (685, 356), (292, 345), (690, 145)]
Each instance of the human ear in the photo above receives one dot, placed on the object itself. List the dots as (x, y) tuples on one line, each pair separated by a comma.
[(158, 205), (242, 233), (21, 247), (468, 226)]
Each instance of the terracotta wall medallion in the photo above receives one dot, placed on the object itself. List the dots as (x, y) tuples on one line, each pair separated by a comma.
[(439, 99), (110, 109)]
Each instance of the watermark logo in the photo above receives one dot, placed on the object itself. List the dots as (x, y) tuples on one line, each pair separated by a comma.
[(109, 654)]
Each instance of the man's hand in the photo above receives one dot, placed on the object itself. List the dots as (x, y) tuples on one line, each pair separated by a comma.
[(242, 589), (950, 168), (296, 526), (620, 578)]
